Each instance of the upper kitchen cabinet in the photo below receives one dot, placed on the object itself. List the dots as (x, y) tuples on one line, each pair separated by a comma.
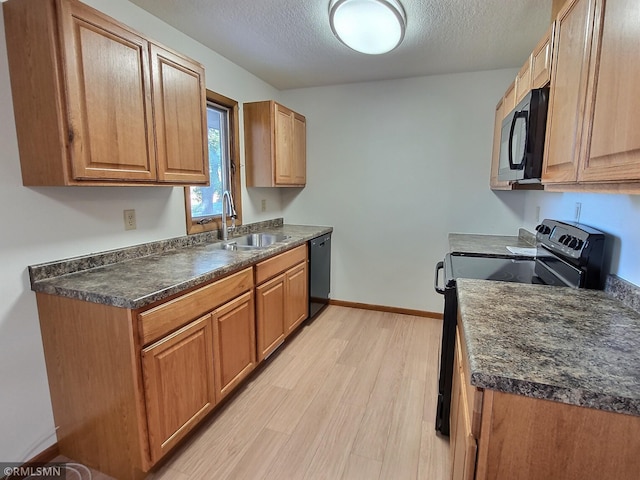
[(594, 144), (574, 28), (495, 158), (180, 114), (611, 150), (523, 81), (536, 71), (275, 145), (509, 100), (98, 104), (541, 60)]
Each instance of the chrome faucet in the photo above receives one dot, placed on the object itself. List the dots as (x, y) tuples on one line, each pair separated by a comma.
[(227, 204)]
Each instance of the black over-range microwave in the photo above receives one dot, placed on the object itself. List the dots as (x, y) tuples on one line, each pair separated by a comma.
[(522, 139)]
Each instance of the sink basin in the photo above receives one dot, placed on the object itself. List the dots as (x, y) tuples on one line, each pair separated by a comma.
[(251, 241), (259, 240)]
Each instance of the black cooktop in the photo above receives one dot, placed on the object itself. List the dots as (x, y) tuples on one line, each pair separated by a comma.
[(491, 268)]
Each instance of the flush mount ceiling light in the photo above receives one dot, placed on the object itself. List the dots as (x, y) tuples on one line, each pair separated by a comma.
[(368, 26)]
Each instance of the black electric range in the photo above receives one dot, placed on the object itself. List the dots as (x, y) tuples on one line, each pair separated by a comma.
[(567, 254)]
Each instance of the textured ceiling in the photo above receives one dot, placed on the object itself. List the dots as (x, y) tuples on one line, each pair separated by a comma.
[(289, 44)]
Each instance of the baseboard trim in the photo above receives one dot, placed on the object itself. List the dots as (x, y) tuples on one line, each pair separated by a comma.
[(47, 455), (383, 308), (43, 458)]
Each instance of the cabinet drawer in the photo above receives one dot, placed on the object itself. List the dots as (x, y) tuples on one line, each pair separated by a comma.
[(275, 265), (160, 320)]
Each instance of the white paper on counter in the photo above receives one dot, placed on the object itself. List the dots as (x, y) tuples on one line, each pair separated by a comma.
[(524, 251)]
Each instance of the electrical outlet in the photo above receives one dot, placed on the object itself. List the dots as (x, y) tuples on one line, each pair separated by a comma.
[(263, 205), (538, 214), (578, 210), (129, 219)]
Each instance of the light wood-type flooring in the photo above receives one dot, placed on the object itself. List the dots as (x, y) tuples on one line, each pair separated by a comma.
[(352, 396)]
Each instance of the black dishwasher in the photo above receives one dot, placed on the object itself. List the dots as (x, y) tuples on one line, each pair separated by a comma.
[(319, 273)]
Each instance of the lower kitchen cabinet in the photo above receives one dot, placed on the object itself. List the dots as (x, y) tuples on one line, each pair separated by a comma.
[(498, 435), (463, 441), (128, 385), (178, 383), (297, 306), (281, 298), (234, 338), (270, 305)]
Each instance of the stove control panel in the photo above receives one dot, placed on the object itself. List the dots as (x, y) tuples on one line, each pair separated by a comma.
[(574, 241)]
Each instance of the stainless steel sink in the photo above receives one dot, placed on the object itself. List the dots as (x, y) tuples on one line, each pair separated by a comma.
[(259, 240), (252, 241)]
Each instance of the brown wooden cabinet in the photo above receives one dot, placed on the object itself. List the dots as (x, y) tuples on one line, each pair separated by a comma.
[(523, 81), (495, 157), (299, 150), (466, 401), (568, 89), (611, 150), (297, 307), (509, 99), (536, 71), (541, 60), (270, 308), (496, 435), (128, 385), (234, 335), (179, 105), (593, 144), (281, 298), (275, 145), (84, 102), (179, 384)]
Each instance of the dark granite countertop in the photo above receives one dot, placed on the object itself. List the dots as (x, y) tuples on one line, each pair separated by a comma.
[(491, 245), (575, 346), (138, 280)]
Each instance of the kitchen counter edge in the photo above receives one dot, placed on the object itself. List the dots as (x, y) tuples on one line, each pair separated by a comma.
[(486, 354), (70, 285)]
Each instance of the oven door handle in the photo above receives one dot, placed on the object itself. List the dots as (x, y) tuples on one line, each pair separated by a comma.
[(439, 266)]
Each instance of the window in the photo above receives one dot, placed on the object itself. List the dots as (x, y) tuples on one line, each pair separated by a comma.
[(204, 204)]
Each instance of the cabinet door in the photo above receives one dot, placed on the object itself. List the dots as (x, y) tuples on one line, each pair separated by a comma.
[(541, 60), (523, 81), (234, 336), (284, 146), (270, 305), (462, 441), (179, 101), (179, 384), (297, 298), (299, 166), (495, 157), (509, 102), (106, 69), (613, 100), (568, 89)]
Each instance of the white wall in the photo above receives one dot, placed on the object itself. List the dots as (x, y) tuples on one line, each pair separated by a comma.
[(616, 215), (43, 224), (395, 166)]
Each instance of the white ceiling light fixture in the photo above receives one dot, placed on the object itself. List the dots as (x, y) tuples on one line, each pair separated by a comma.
[(368, 26)]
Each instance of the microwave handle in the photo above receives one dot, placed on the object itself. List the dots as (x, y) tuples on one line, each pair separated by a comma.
[(516, 116)]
